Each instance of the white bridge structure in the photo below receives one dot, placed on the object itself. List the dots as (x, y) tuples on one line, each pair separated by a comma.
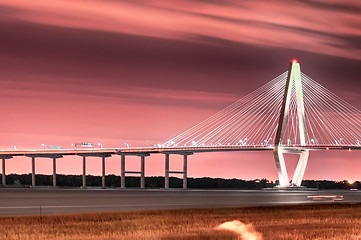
[(291, 114)]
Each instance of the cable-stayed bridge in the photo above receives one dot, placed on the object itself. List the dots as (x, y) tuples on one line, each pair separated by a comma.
[(292, 113)]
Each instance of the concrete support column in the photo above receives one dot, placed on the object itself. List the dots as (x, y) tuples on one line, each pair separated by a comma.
[(33, 171), (54, 172), (166, 177), (301, 167), (84, 172), (122, 177), (3, 176), (281, 167), (103, 172), (185, 171), (142, 171)]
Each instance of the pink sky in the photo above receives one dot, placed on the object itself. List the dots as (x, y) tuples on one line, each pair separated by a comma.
[(142, 72)]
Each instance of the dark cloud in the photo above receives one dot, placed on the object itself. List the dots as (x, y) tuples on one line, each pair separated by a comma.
[(6, 11), (333, 6), (353, 41), (342, 40), (334, 40), (212, 40), (113, 59)]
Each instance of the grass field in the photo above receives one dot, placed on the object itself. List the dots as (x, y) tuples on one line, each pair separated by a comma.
[(289, 222)]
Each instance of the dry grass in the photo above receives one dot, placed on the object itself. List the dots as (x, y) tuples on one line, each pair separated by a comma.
[(296, 222)]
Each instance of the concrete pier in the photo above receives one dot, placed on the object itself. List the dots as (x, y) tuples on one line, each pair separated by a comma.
[(122, 174), (54, 172), (3, 175), (184, 172), (142, 171), (185, 159), (84, 172), (103, 171), (166, 175), (33, 171)]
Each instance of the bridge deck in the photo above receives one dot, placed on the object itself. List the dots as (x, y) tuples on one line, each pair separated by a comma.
[(154, 150)]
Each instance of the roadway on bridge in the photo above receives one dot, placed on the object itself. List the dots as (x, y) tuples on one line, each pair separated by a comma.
[(53, 201)]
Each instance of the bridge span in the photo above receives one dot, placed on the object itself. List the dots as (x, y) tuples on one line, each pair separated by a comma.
[(142, 152)]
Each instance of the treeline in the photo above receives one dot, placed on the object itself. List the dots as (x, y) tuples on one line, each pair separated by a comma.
[(326, 184), (24, 180)]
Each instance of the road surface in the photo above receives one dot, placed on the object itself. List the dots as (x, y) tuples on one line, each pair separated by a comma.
[(53, 201)]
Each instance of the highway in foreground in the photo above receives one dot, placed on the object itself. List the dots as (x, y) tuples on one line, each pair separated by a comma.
[(52, 201)]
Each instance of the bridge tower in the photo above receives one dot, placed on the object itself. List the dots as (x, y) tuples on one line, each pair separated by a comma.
[(293, 79)]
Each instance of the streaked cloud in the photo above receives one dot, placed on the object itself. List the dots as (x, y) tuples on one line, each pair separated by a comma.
[(127, 94), (329, 28)]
